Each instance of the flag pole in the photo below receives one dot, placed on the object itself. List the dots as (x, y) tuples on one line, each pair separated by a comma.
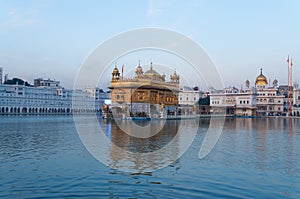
[(122, 71), (290, 88)]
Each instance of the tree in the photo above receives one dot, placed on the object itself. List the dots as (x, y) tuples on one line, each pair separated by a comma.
[(204, 101), (15, 81)]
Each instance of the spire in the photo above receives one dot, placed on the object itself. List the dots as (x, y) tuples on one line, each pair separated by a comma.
[(115, 73), (290, 86), (290, 61), (275, 82), (261, 70), (122, 71), (139, 70), (151, 68)]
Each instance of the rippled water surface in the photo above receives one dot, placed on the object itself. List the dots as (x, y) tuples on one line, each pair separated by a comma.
[(43, 157)]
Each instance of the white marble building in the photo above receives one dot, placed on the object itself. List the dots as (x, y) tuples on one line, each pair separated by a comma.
[(188, 96), (269, 100), (48, 98), (232, 101)]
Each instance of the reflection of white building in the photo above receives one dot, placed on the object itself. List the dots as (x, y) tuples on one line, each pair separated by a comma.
[(232, 101)]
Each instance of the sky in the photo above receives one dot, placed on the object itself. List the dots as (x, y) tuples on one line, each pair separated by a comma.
[(52, 38)]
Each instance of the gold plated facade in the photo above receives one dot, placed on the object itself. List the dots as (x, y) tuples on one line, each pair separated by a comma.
[(147, 92)]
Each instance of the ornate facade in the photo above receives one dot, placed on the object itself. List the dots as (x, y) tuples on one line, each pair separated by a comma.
[(233, 101), (49, 98), (261, 100), (147, 94), (269, 100)]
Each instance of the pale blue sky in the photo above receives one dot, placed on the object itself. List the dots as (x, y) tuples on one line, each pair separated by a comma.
[(51, 38)]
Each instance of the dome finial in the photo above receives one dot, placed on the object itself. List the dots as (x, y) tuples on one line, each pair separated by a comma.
[(261, 79), (115, 73), (139, 70)]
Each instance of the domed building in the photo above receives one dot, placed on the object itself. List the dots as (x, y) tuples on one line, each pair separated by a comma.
[(152, 74), (269, 101), (261, 81), (261, 100), (147, 94)]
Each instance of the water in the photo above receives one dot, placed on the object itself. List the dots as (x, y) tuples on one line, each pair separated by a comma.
[(43, 157)]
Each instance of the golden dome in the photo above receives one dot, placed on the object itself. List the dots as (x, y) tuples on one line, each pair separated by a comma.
[(261, 79), (115, 71)]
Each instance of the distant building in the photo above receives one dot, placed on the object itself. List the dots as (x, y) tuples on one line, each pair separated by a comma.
[(45, 83), (269, 100), (189, 96), (296, 95), (284, 90), (296, 100), (98, 95), (5, 77), (188, 100), (232, 101), (145, 95), (48, 97), (203, 103)]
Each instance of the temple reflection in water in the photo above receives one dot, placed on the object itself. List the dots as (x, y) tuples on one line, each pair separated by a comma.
[(171, 141), (244, 141)]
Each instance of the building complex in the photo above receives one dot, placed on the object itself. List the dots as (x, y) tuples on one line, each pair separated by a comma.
[(48, 97), (149, 94)]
